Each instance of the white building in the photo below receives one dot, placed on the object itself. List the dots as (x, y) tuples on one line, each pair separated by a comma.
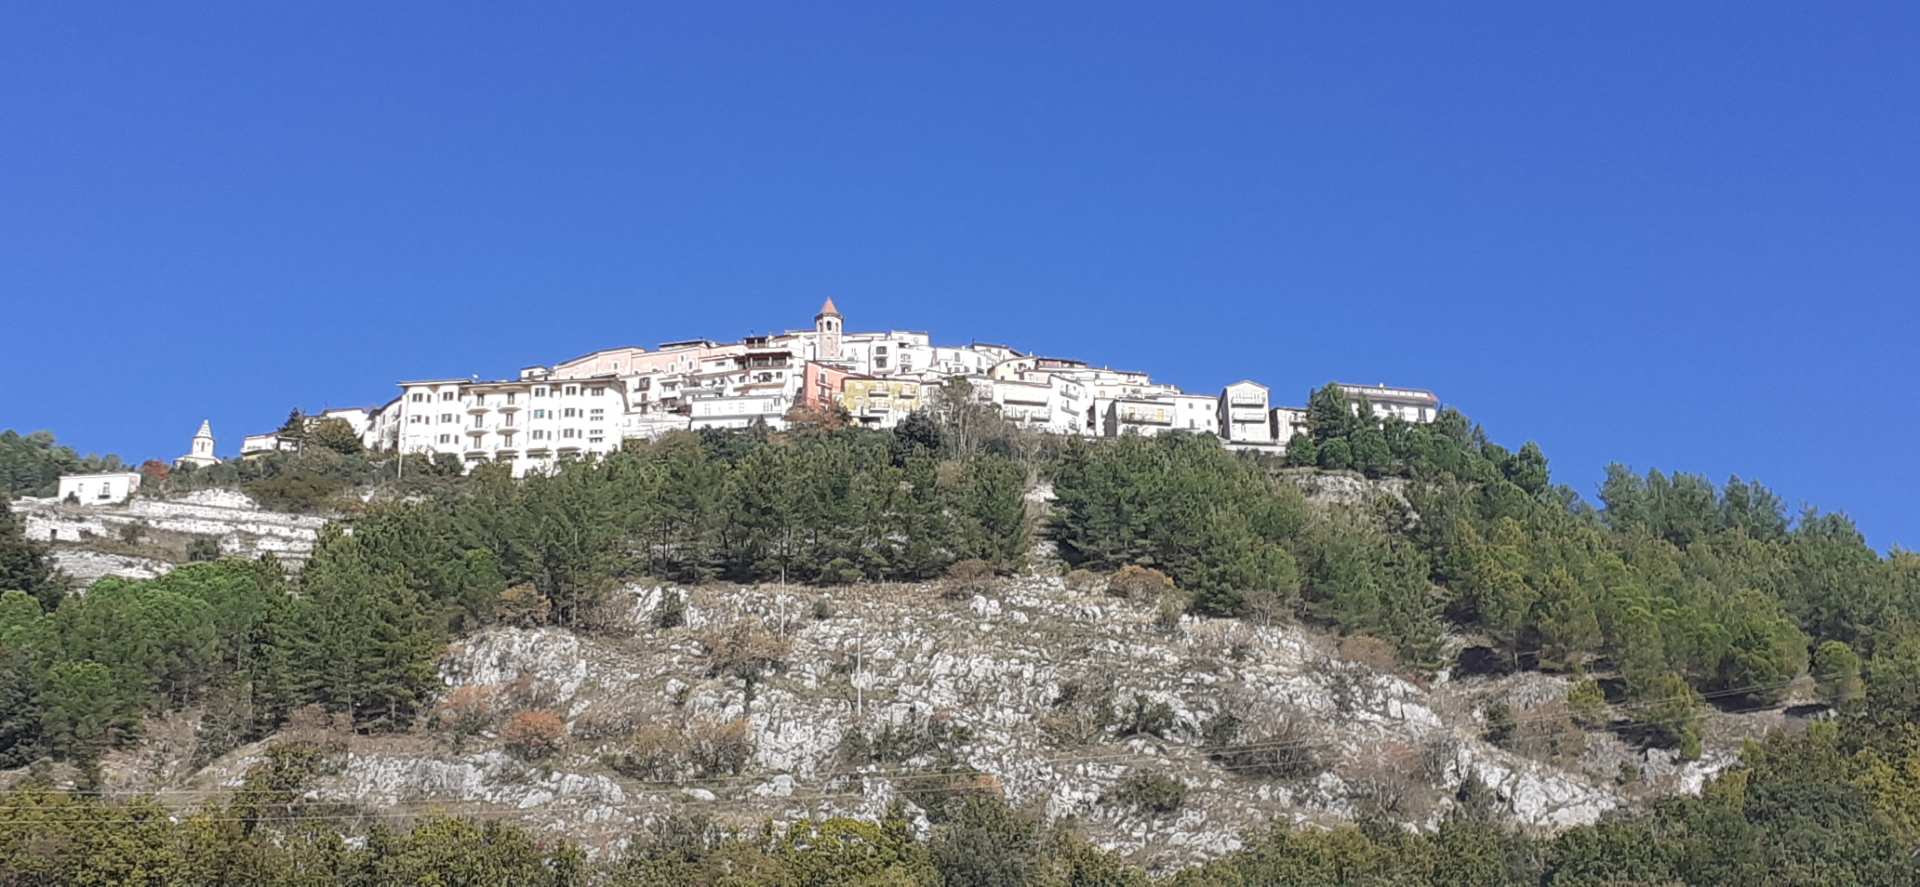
[(1406, 404), (1197, 413), (529, 424), (1244, 422), (892, 353), (739, 410), (201, 453), (271, 442), (110, 488), (1287, 422), (1143, 416)]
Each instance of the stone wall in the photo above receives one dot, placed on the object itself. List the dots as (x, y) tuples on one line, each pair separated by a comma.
[(165, 527)]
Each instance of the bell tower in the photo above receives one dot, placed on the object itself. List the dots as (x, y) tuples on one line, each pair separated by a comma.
[(826, 331), (202, 451)]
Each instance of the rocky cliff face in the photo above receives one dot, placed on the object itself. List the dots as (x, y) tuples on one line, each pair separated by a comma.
[(782, 704)]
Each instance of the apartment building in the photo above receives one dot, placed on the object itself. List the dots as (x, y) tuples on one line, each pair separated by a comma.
[(880, 402), (529, 424)]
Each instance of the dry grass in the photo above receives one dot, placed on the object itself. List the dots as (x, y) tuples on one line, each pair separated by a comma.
[(1369, 651)]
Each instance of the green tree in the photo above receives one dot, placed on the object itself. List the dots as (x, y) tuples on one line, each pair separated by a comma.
[(1836, 671), (84, 711), (24, 563), (1329, 415), (361, 642), (336, 435), (1302, 452)]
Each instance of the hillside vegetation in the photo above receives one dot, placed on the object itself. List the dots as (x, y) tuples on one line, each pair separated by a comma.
[(1674, 598)]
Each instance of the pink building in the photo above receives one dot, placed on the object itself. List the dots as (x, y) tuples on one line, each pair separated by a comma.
[(822, 385)]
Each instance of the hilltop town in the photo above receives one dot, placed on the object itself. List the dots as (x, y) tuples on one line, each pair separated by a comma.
[(588, 404)]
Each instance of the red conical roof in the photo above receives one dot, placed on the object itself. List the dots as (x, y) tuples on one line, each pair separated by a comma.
[(828, 309)]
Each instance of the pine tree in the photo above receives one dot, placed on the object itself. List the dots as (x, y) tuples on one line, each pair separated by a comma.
[(24, 564), (362, 644)]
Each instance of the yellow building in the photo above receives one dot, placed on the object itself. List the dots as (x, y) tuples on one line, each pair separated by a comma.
[(881, 403)]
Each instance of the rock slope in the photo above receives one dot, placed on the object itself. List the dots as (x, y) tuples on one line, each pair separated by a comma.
[(878, 695)]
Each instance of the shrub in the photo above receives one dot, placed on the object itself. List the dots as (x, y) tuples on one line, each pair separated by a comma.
[(296, 492), (1081, 713), (990, 844), (1137, 583), (1670, 709), (532, 735), (744, 650), (822, 609), (967, 578), (1384, 785), (719, 748), (132, 533), (465, 713), (1500, 723), (672, 611), (1284, 749), (841, 571), (524, 606), (1545, 732), (203, 548), (893, 743), (1145, 717), (1168, 610), (1152, 793), (1587, 703), (655, 753), (947, 788)]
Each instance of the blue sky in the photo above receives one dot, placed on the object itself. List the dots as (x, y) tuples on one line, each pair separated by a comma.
[(1673, 235)]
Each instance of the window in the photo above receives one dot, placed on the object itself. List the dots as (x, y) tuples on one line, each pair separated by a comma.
[(510, 396), (479, 421), (540, 391), (446, 395), (572, 390), (446, 438), (570, 413), (569, 433), (417, 397), (539, 434), (597, 414), (595, 439), (539, 414), (506, 420), (446, 417), (596, 391), (479, 400)]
